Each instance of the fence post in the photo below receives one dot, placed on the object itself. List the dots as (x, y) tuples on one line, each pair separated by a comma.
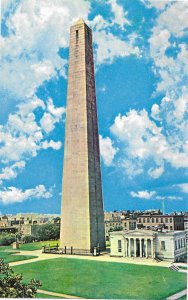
[(65, 250), (71, 249)]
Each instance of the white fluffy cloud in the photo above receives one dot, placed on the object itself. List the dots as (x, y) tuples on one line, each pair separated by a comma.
[(22, 136), (12, 171), (36, 31), (51, 117), (52, 144), (119, 14), (172, 22), (142, 141), (150, 142), (169, 198), (110, 46), (143, 194), (13, 195), (158, 4), (156, 172), (183, 187), (107, 150)]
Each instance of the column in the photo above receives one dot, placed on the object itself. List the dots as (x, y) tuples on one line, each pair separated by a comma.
[(129, 247), (152, 248), (126, 248), (140, 247), (146, 248), (134, 247)]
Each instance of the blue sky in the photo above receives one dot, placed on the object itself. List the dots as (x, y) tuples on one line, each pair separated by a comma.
[(141, 64)]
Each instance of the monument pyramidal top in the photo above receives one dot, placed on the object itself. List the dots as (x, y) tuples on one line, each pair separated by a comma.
[(80, 21)]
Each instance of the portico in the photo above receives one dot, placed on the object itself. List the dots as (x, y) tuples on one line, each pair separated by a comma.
[(139, 247), (135, 243)]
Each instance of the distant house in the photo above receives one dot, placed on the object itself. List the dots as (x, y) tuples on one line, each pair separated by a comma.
[(170, 222), (144, 244)]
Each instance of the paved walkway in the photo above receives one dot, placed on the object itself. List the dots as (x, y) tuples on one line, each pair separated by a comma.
[(177, 295), (105, 257), (58, 294)]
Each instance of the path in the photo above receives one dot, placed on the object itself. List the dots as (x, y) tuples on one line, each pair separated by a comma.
[(58, 294), (104, 257), (177, 295)]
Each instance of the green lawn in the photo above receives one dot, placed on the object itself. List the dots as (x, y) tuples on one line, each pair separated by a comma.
[(40, 295), (31, 246), (37, 245), (92, 279), (182, 267), (183, 298), (8, 257)]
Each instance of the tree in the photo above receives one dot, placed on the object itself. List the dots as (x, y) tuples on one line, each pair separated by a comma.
[(11, 285), (48, 232), (116, 228), (29, 238), (57, 220)]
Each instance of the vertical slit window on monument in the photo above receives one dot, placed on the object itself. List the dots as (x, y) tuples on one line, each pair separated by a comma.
[(77, 35)]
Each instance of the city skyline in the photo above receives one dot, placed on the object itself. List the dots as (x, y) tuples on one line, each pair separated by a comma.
[(140, 52)]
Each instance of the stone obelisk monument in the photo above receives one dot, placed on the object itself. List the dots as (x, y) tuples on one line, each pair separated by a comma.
[(82, 225)]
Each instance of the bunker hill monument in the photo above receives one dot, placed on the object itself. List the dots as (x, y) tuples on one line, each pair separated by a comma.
[(82, 225)]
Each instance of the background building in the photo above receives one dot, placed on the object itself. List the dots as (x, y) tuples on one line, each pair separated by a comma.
[(170, 222)]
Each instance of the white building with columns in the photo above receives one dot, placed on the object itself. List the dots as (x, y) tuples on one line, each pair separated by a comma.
[(169, 245)]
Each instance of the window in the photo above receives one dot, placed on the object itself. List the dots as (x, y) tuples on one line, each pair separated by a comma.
[(143, 220), (76, 35), (161, 220), (152, 220), (162, 245), (175, 245), (139, 220), (170, 220), (125, 224), (171, 228), (166, 220), (119, 246), (148, 220), (156, 220)]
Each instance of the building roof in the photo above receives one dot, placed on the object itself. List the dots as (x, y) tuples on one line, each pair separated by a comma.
[(144, 232)]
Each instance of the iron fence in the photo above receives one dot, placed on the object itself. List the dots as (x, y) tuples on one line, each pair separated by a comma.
[(69, 251)]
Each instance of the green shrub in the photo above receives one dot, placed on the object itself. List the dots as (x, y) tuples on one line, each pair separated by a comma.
[(29, 238), (6, 239), (11, 285)]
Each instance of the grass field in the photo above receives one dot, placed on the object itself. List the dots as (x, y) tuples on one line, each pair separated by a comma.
[(31, 246), (37, 245), (9, 257), (92, 279), (183, 298), (40, 295)]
